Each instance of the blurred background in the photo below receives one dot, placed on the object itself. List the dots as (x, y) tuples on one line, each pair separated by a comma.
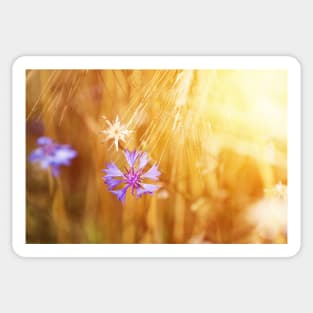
[(219, 138)]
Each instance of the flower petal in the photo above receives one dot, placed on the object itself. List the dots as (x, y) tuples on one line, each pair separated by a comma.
[(64, 155), (131, 157), (42, 141), (55, 170), (121, 194), (112, 170), (111, 182), (152, 173), (116, 144), (46, 162), (36, 155), (143, 161), (146, 188)]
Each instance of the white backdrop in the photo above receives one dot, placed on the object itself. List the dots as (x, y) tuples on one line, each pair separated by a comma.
[(155, 28)]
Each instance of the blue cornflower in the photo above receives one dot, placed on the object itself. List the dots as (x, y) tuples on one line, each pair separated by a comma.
[(133, 177), (51, 154)]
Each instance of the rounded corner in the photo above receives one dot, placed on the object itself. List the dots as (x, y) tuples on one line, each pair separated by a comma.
[(19, 61), (294, 62), (295, 250), (17, 251)]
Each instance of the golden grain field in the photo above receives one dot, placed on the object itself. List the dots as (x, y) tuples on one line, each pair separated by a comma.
[(218, 138)]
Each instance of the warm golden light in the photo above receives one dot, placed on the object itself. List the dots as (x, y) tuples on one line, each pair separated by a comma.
[(218, 137)]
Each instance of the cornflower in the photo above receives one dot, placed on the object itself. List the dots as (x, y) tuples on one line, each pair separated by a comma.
[(51, 154), (133, 177), (116, 131)]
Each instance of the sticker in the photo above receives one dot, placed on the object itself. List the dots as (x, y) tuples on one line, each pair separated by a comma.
[(147, 156)]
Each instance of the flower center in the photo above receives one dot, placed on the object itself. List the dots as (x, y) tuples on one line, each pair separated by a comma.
[(49, 150), (133, 178)]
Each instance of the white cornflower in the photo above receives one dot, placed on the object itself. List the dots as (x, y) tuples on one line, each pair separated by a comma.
[(115, 131)]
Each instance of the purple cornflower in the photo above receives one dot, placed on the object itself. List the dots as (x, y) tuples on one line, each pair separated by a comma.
[(52, 154), (133, 177)]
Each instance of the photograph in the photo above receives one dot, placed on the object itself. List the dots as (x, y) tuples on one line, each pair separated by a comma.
[(156, 156)]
